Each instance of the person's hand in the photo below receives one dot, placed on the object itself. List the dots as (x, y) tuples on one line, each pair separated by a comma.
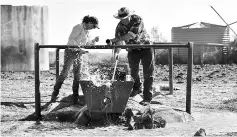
[(116, 56), (116, 53), (96, 39), (81, 51), (120, 43), (114, 40)]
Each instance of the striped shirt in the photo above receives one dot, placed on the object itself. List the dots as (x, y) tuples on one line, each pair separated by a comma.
[(135, 27)]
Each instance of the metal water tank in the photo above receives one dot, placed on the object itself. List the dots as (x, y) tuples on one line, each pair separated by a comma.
[(200, 33), (21, 27)]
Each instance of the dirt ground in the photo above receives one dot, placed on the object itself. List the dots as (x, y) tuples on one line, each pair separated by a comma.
[(214, 104)]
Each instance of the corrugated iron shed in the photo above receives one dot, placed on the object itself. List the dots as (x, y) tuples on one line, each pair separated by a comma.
[(199, 33)]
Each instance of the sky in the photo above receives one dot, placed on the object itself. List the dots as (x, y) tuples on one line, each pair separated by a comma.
[(165, 14)]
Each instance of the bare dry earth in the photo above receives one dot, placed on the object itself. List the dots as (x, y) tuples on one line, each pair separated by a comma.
[(214, 104)]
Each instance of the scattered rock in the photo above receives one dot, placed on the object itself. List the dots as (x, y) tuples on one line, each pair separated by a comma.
[(179, 82), (146, 120), (159, 122), (200, 132), (146, 117), (128, 114), (130, 127), (199, 78), (166, 87), (165, 79)]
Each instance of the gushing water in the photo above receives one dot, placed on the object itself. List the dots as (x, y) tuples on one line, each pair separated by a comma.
[(99, 76)]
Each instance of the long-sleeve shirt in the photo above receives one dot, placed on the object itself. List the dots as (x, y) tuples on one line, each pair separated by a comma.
[(79, 36)]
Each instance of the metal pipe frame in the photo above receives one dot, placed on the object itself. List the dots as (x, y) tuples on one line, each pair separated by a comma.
[(171, 71), (156, 46), (37, 84), (160, 45), (57, 63)]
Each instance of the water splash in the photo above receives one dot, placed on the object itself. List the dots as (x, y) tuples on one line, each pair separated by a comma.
[(98, 75)]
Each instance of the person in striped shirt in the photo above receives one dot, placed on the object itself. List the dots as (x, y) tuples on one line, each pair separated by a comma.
[(131, 30)]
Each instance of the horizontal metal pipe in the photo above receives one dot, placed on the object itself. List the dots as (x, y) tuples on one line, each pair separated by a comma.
[(212, 44), (163, 45)]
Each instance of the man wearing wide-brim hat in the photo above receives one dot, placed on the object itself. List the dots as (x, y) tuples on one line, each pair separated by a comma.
[(131, 30)]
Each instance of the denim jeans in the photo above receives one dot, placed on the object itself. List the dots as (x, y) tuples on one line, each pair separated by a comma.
[(146, 56), (70, 57)]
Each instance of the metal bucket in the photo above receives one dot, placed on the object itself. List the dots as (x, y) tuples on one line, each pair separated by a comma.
[(95, 95)]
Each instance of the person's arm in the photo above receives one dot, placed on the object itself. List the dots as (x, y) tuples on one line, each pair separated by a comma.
[(116, 51), (93, 41), (128, 36), (137, 25)]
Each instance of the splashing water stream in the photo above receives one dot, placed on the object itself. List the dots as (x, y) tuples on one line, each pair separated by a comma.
[(99, 79)]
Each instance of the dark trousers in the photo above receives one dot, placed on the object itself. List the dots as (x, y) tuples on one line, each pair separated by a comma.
[(146, 56), (70, 57)]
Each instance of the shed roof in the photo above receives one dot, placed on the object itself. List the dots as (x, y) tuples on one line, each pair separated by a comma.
[(199, 25)]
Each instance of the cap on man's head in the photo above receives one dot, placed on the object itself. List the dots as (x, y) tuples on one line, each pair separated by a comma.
[(123, 13), (94, 21)]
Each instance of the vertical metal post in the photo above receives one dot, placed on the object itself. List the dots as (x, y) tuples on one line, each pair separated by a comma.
[(189, 77), (171, 70), (57, 63), (201, 56), (37, 84)]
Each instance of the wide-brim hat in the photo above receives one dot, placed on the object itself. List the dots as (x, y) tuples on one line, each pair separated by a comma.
[(123, 13)]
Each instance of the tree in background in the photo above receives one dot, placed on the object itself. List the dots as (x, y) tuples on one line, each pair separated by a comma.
[(161, 55), (232, 57), (156, 35), (235, 42)]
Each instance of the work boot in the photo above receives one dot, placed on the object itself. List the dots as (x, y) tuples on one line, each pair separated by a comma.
[(148, 82), (135, 92), (53, 98), (57, 86), (75, 88), (136, 89), (54, 95), (75, 99), (145, 102)]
